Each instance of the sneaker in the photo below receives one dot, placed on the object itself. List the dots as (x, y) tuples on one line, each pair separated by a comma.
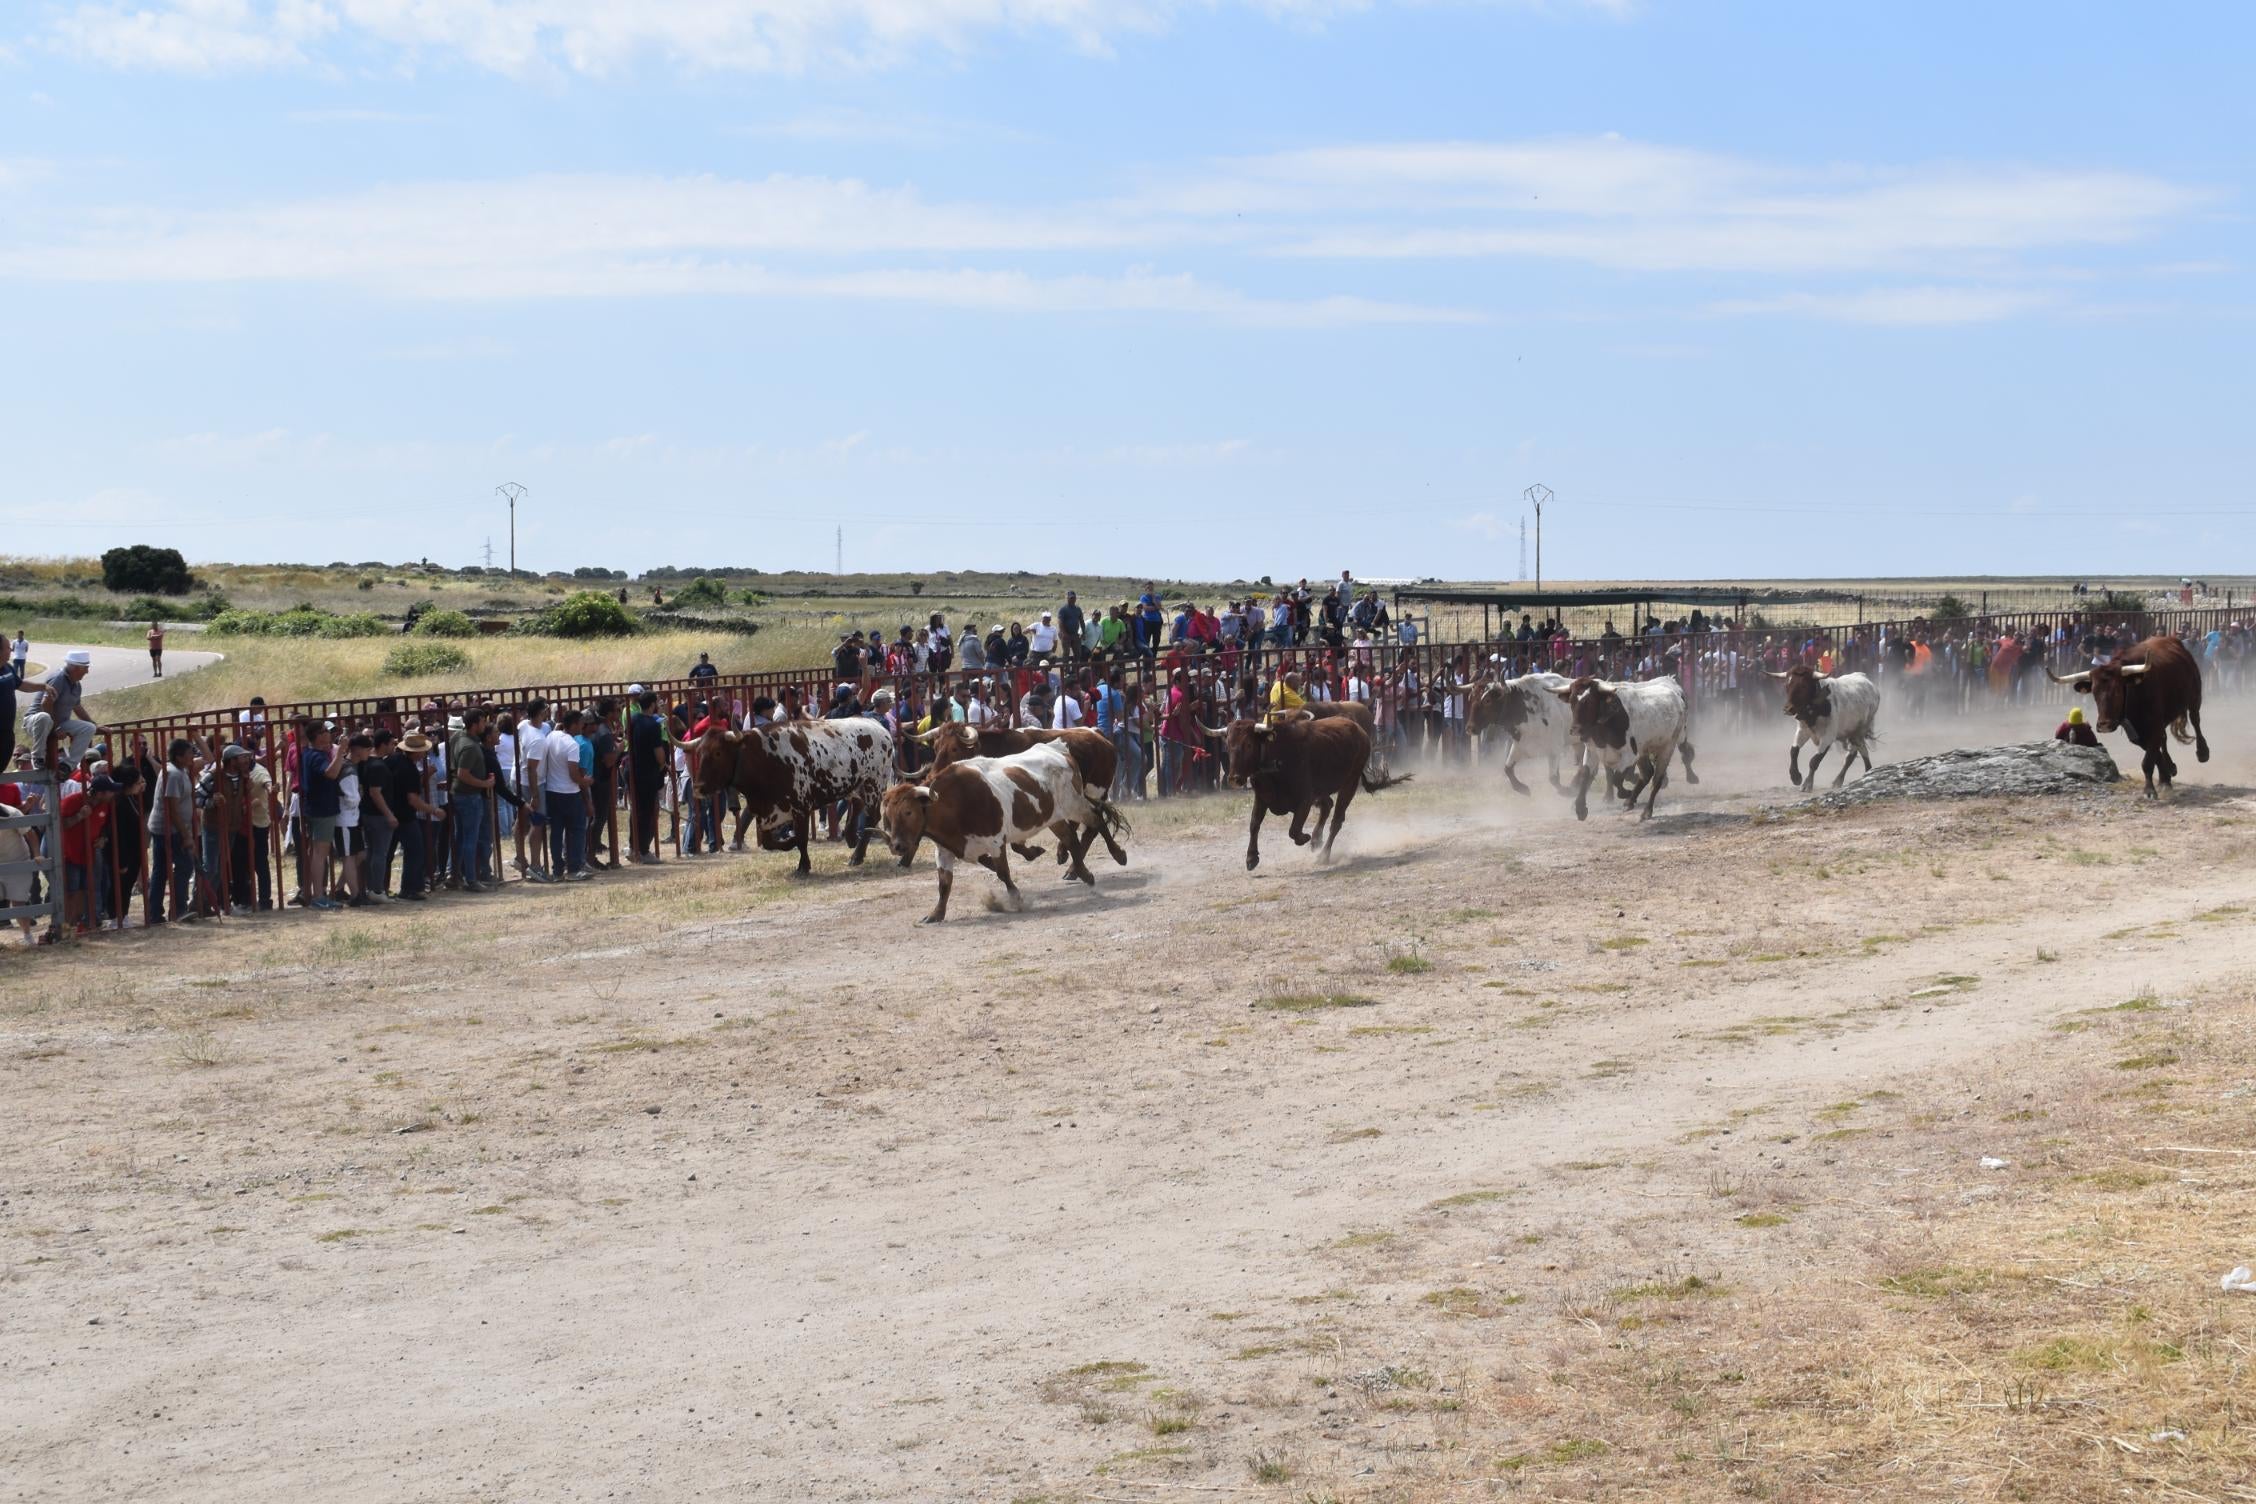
[(579, 877), (476, 888), (415, 898), (323, 904)]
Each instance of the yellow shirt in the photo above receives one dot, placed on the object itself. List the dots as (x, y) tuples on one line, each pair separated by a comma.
[(1282, 699)]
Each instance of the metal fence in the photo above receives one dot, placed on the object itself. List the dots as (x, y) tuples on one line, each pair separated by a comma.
[(249, 829)]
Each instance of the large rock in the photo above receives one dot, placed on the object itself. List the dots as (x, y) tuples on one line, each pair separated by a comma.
[(1981, 772)]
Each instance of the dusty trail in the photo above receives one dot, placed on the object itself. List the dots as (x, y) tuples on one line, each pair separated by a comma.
[(802, 1203)]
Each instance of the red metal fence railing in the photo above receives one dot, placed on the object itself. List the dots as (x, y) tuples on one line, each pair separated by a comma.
[(1949, 667)]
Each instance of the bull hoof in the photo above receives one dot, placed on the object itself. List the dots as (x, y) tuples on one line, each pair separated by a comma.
[(855, 860), (1253, 860), (1582, 810), (1298, 838), (933, 919), (798, 872)]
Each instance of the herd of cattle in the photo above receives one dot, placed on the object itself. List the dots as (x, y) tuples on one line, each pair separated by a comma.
[(991, 791)]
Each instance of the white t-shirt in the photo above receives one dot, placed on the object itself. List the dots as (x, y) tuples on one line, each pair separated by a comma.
[(348, 799), (505, 758), (560, 756), (1066, 714), (1358, 691), (437, 794), (1043, 638), (975, 712)]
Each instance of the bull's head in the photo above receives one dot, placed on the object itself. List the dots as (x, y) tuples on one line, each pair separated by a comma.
[(1244, 745), (1504, 706), (718, 752), (950, 743), (902, 816), (1807, 697), (2109, 685), (1600, 718)]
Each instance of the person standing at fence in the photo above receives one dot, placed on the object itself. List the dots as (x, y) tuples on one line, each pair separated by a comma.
[(471, 777), (646, 773), (85, 816), (408, 769), (379, 816), (563, 787), (319, 800), (603, 746), (172, 836), (532, 735), (224, 791)]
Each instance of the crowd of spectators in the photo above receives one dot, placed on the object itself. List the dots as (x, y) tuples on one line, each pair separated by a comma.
[(408, 802)]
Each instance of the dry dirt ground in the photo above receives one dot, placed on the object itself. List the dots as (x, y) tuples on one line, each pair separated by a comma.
[(1505, 1157)]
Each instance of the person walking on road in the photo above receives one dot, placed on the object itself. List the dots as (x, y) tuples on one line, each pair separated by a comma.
[(156, 650)]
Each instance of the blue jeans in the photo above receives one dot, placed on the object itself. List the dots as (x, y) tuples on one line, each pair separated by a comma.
[(567, 833), (171, 856), (469, 836)]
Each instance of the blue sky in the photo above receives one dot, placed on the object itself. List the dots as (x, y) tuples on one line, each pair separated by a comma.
[(1140, 285)]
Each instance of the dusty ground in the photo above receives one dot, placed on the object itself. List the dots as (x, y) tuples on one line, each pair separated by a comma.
[(1506, 1157)]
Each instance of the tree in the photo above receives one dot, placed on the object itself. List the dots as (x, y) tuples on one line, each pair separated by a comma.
[(1950, 608), (142, 569)]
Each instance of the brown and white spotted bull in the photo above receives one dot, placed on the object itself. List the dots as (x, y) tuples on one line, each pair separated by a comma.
[(1528, 711), (1091, 750), (1299, 763), (2152, 691), (976, 809), (1639, 724), (795, 768)]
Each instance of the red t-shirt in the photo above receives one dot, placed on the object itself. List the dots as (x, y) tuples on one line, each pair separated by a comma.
[(79, 838)]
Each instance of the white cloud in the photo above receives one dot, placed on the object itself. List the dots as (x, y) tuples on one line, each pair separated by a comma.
[(596, 37), (1898, 305), (1632, 206), (590, 236)]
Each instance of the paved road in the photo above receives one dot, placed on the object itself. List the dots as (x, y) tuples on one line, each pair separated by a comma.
[(119, 668)]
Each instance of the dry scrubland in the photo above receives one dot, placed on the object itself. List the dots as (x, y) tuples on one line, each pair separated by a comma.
[(1507, 1158), (799, 616)]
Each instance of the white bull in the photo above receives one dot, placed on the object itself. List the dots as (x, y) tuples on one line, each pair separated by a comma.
[(1527, 710), (1639, 724), (1842, 710)]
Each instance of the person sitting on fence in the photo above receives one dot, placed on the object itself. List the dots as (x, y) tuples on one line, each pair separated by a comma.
[(55, 712)]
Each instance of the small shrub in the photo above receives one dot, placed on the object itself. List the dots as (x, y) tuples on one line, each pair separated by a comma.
[(700, 592), (147, 608), (445, 624), (1950, 608), (584, 613), (415, 659)]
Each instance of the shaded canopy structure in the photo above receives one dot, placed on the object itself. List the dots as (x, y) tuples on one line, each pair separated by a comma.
[(1505, 602)]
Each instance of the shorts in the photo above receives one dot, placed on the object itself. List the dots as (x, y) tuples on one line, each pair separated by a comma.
[(321, 827), (350, 842)]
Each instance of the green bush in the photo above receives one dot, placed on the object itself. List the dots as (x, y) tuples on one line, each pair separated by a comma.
[(141, 567), (148, 608), (72, 606), (445, 624), (1950, 608), (584, 613), (2120, 600), (700, 592), (299, 621), (412, 659)]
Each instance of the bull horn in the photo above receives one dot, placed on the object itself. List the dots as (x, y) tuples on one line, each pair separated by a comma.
[(732, 737), (2133, 670), (1565, 692), (927, 737), (1218, 733), (2066, 678), (1776, 674)]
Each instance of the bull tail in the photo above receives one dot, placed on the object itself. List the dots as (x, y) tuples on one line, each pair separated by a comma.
[(1385, 781), (2178, 728), (1112, 823)]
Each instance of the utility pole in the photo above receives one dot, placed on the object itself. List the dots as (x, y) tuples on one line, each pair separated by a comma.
[(838, 562), (1523, 574), (1536, 496), (489, 551), (513, 491)]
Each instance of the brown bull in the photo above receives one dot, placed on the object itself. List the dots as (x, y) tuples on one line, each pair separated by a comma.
[(1092, 752), (2151, 691), (1297, 764)]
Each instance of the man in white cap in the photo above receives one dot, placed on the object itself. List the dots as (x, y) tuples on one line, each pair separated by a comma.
[(1044, 640), (57, 711)]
